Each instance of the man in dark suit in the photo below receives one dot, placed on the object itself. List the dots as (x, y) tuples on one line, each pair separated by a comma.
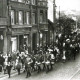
[(9, 68)]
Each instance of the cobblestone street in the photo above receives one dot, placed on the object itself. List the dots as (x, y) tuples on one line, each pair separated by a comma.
[(62, 71)]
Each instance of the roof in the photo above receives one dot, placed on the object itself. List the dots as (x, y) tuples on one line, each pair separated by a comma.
[(50, 24)]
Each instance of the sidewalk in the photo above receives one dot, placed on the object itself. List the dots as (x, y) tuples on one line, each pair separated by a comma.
[(12, 72)]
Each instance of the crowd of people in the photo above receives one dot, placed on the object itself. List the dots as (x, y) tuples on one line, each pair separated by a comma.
[(42, 59)]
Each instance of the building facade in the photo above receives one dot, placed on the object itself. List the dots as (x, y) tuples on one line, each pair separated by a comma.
[(50, 32), (24, 25), (42, 22), (3, 27)]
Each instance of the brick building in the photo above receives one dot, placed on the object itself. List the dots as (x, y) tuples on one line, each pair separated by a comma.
[(23, 24)]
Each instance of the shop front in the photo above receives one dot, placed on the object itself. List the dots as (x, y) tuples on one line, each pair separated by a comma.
[(21, 40), (43, 35), (43, 38)]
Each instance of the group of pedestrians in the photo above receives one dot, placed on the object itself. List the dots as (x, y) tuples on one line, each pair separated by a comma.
[(39, 61), (29, 62), (42, 59), (5, 63)]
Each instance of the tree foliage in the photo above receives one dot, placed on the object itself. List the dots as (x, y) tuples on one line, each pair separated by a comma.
[(66, 24)]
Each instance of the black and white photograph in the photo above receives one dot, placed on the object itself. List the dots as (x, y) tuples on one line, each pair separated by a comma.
[(39, 39)]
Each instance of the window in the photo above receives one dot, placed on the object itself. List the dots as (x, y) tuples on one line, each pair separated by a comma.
[(20, 17), (12, 17), (45, 0), (28, 17), (44, 4), (33, 2), (20, 0), (33, 18), (46, 16), (41, 17), (27, 1), (13, 0)]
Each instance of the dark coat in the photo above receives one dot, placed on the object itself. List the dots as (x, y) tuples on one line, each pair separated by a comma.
[(18, 66), (9, 59), (1, 60), (8, 68)]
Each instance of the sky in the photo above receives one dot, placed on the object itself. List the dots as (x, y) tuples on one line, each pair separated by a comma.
[(69, 6)]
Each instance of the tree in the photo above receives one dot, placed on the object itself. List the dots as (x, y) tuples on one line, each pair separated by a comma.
[(65, 25)]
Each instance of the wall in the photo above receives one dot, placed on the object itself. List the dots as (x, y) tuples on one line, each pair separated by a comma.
[(3, 8)]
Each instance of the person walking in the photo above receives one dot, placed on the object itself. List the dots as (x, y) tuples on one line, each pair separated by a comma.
[(18, 67), (9, 66), (28, 66), (5, 63), (64, 56), (9, 57), (47, 61), (1, 62), (14, 56), (52, 59)]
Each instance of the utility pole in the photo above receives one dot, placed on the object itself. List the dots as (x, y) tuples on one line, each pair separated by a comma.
[(54, 16), (54, 11), (76, 23), (59, 20)]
